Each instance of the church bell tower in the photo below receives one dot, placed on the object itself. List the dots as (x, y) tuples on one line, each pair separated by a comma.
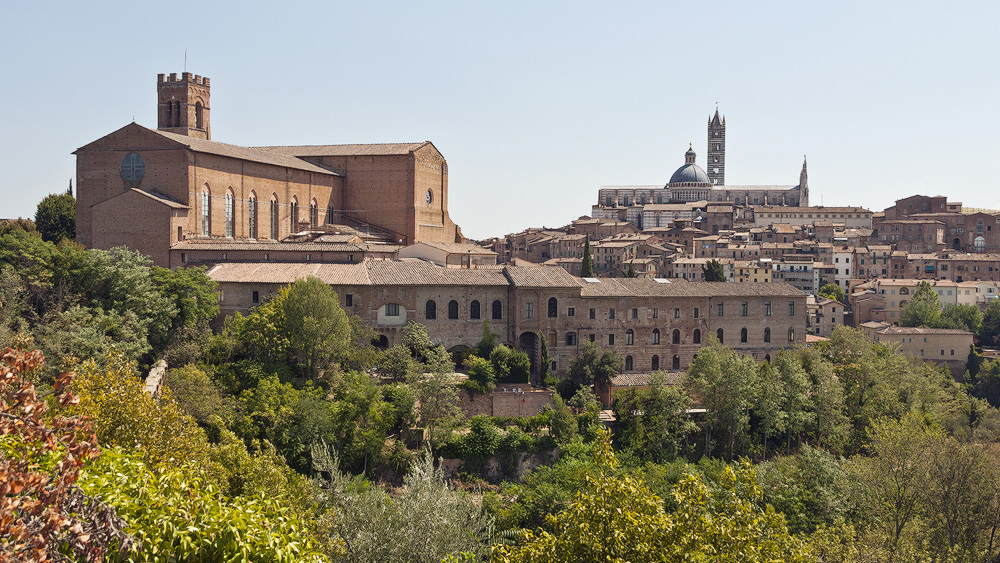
[(182, 105), (716, 164)]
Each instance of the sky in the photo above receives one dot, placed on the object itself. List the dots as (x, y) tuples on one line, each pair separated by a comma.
[(534, 104)]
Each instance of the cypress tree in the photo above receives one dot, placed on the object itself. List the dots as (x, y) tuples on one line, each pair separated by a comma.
[(588, 260)]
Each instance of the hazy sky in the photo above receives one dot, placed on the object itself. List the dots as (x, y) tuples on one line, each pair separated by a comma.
[(534, 104)]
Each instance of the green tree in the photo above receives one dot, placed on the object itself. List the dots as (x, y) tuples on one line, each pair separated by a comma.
[(989, 330), (962, 317), (654, 422), (587, 268), (481, 376), (424, 522), (592, 365), (397, 363), (544, 368), (488, 342), (196, 394), (727, 385), (561, 421), (832, 291), (923, 308), (631, 273), (415, 338), (318, 330), (617, 519), (179, 514), (439, 404), (509, 365), (714, 271), (55, 217)]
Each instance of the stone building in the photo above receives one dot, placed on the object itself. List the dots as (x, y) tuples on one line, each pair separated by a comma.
[(942, 346), (654, 323), (152, 190)]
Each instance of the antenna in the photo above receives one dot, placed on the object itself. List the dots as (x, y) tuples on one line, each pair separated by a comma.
[(185, 60)]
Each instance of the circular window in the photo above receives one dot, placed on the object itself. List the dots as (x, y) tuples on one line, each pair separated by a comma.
[(429, 197), (133, 168)]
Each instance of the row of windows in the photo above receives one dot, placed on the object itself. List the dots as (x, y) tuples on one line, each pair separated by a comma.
[(553, 310), (252, 215), (571, 337), (475, 309)]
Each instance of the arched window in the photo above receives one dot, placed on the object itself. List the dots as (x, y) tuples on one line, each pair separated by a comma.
[(676, 363), (791, 335), (767, 358), (206, 214), (453, 309), (656, 363), (656, 336), (430, 310), (767, 334), (274, 218), (293, 213), (553, 307), (676, 339), (628, 363), (497, 310), (904, 291), (252, 216), (229, 215), (697, 336), (743, 335), (313, 214), (474, 309), (177, 114), (718, 334), (199, 116), (629, 337)]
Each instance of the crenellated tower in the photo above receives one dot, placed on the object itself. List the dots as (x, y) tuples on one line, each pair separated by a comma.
[(182, 105), (716, 163)]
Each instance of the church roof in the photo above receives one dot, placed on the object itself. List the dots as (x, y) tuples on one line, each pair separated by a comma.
[(371, 149), (244, 153)]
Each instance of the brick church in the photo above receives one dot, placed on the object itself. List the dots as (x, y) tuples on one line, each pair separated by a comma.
[(173, 191)]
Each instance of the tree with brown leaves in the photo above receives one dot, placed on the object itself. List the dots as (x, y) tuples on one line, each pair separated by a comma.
[(43, 515)]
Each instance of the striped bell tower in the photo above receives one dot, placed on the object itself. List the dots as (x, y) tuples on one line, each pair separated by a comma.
[(716, 163)]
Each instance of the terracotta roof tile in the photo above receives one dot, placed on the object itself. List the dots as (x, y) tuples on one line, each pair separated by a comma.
[(244, 153), (370, 149)]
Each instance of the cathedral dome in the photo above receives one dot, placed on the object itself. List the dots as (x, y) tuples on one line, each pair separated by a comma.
[(690, 174)]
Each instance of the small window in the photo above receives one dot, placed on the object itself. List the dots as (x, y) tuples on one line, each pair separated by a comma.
[(791, 308), (611, 313), (571, 311), (255, 298), (348, 300), (453, 309), (611, 340), (593, 338), (767, 334), (696, 338), (497, 310), (791, 335), (593, 314), (676, 363), (676, 338), (656, 313), (696, 313), (629, 337), (392, 310), (430, 310), (719, 334), (721, 309), (767, 309), (744, 309), (677, 312), (656, 336), (635, 313), (628, 363), (656, 363), (474, 312), (553, 307), (571, 339), (529, 310)]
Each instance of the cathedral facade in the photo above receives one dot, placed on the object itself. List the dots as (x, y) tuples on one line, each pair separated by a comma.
[(157, 190), (693, 187)]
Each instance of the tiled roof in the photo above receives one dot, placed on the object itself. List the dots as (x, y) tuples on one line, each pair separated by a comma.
[(390, 272), (368, 272), (527, 276), (271, 246), (642, 379), (458, 248), (373, 149), (161, 198), (244, 153), (815, 209), (644, 287)]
